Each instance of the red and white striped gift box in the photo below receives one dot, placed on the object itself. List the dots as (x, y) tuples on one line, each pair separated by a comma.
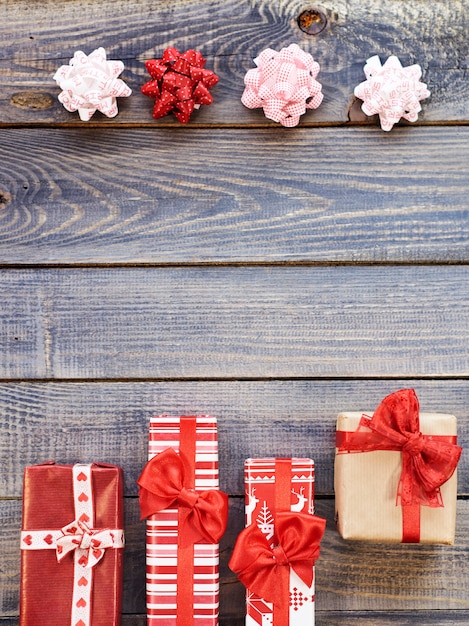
[(162, 575), (261, 490)]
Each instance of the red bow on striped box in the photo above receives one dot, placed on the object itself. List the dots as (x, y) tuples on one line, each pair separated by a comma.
[(186, 516)]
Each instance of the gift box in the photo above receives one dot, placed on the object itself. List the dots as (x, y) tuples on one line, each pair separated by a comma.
[(274, 556), (395, 473), (186, 517), (72, 543)]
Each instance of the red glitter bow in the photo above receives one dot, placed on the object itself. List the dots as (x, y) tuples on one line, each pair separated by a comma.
[(428, 461), (203, 515), (264, 569), (179, 83)]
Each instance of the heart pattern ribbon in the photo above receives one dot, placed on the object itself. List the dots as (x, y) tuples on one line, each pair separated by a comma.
[(428, 461), (261, 567), (90, 544), (86, 545), (203, 515)]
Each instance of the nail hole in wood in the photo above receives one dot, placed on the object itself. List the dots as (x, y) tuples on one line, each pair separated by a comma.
[(312, 21)]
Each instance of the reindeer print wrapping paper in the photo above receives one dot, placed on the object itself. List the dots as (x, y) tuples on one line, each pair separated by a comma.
[(260, 491)]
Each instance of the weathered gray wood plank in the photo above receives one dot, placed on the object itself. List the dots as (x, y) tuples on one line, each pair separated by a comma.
[(34, 45), (235, 322), (109, 422), (350, 576), (167, 196)]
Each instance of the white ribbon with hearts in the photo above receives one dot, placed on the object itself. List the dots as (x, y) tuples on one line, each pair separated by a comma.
[(88, 544)]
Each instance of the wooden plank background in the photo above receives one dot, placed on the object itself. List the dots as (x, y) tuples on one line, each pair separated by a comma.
[(102, 196), (271, 277)]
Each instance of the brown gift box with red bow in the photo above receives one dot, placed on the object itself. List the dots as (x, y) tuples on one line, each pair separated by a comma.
[(47, 586), (367, 486)]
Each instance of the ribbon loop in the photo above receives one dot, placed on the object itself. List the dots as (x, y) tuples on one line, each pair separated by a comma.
[(162, 485)]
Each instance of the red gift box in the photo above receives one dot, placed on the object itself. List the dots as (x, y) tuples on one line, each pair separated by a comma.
[(186, 517), (281, 529), (72, 545)]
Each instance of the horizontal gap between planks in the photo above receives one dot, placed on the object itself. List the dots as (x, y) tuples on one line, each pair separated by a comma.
[(247, 379), (234, 126), (228, 264)]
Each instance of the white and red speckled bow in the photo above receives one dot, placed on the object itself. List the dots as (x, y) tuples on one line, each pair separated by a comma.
[(89, 84), (391, 91), (89, 543)]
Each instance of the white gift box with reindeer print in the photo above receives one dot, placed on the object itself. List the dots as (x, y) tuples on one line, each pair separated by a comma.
[(273, 484)]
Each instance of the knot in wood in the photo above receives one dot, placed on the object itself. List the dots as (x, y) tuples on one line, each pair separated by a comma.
[(312, 21)]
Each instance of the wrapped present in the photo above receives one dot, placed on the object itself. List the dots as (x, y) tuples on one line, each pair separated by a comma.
[(186, 517), (72, 543), (274, 555), (395, 473)]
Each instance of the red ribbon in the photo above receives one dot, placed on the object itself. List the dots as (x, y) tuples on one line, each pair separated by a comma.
[(203, 515), (261, 567), (179, 83), (428, 461)]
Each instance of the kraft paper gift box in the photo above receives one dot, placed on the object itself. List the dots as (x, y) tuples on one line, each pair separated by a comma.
[(72, 543), (398, 489), (186, 517), (281, 529)]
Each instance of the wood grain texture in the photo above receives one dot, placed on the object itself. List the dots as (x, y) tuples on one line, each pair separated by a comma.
[(202, 196), (108, 422), (417, 577), (235, 322), (34, 46)]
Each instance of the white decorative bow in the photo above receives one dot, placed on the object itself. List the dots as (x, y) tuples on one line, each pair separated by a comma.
[(90, 543)]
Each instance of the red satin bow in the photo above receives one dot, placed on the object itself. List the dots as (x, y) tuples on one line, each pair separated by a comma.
[(203, 515), (427, 461), (179, 83), (259, 566)]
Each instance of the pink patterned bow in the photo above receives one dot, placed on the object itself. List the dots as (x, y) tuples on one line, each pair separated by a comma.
[(283, 84), (90, 543)]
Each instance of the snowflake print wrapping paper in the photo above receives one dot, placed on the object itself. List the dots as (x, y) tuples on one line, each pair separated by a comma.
[(90, 84), (391, 91), (283, 84), (179, 83)]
